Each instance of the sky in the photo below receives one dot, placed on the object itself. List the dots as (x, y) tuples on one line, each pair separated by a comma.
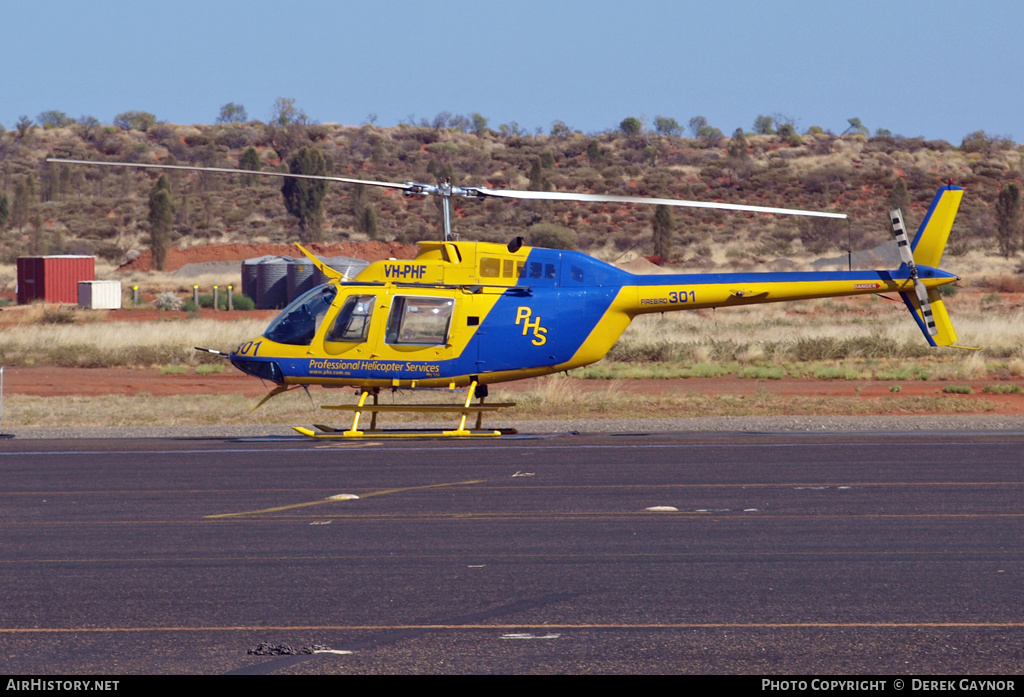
[(936, 69)]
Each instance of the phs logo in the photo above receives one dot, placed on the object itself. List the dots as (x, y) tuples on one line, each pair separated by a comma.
[(523, 315)]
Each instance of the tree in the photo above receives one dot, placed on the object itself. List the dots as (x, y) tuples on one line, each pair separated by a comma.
[(135, 120), (286, 113), (441, 121), (53, 191), (537, 176), (479, 124), (662, 231), (764, 125), (559, 129), (37, 236), (666, 126), (985, 143), (251, 162), (856, 127), (898, 197), (23, 126), (5, 211), (304, 198), (1008, 219), (369, 224), (707, 135), (54, 119), (738, 145), (232, 113), (24, 201), (161, 220), (631, 126)]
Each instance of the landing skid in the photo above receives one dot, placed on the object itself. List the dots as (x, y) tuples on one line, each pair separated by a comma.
[(459, 431)]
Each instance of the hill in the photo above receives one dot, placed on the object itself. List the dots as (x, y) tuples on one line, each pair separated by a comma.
[(69, 209)]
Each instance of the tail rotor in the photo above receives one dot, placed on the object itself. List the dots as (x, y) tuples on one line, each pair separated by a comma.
[(907, 256)]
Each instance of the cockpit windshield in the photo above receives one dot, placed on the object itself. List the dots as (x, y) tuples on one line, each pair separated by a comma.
[(297, 323)]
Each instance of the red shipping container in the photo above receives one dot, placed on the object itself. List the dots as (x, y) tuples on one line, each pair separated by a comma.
[(53, 279)]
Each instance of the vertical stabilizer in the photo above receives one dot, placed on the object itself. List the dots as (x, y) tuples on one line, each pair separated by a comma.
[(931, 238)]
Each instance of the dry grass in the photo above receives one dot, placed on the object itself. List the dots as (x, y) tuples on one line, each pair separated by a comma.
[(144, 410), (110, 344), (842, 329)]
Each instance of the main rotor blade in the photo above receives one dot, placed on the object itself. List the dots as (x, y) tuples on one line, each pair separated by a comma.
[(408, 186), (446, 190), (602, 198)]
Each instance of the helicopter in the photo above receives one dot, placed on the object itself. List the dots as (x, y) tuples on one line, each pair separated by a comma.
[(468, 315)]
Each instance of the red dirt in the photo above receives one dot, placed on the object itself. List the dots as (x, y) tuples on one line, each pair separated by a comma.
[(178, 257), (56, 382)]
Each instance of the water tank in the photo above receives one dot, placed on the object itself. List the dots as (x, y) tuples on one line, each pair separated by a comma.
[(249, 268), (272, 283), (302, 276)]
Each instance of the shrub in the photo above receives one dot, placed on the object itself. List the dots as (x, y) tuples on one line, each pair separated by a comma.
[(58, 316), (135, 120), (1003, 389), (552, 236), (206, 300), (168, 301), (630, 125), (243, 302), (958, 389)]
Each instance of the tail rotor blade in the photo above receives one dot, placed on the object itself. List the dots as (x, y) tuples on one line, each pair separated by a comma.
[(900, 233), (926, 307)]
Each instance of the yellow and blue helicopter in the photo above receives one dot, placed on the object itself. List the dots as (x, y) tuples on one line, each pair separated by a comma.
[(471, 314)]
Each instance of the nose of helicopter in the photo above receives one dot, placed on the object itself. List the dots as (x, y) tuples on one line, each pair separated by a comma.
[(246, 358)]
